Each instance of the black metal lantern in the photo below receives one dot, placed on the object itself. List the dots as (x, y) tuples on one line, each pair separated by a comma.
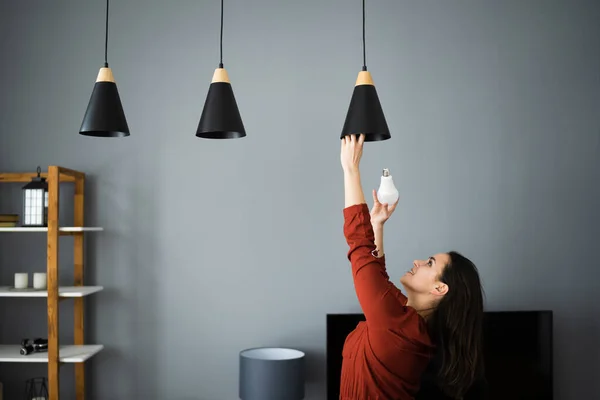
[(35, 202)]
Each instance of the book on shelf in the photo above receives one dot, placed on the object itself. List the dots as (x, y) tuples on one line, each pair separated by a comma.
[(9, 217), (8, 224), (9, 220)]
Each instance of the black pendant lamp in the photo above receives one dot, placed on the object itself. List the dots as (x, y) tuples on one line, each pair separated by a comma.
[(365, 114), (220, 117), (104, 116)]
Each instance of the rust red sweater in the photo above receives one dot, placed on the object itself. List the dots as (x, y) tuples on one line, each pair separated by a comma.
[(384, 357)]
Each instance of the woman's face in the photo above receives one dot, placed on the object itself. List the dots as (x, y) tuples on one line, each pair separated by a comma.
[(424, 276)]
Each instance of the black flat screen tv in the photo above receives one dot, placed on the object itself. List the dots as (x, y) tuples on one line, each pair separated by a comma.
[(518, 356)]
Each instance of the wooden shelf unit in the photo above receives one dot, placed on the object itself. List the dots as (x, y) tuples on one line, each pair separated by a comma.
[(57, 354)]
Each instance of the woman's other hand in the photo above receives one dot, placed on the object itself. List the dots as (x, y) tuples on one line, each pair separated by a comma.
[(381, 212)]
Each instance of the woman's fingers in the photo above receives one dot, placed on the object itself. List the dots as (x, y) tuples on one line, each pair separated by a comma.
[(375, 199)]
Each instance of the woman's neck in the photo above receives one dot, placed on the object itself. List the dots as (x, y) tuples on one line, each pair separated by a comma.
[(424, 306)]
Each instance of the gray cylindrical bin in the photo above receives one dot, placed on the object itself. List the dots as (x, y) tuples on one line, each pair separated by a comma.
[(271, 373)]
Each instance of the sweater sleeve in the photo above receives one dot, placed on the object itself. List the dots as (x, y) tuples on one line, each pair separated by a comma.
[(379, 299)]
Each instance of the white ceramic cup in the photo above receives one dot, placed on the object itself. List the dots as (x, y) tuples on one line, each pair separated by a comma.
[(21, 280), (39, 280)]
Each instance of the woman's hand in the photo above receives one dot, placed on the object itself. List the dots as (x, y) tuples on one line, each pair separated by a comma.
[(381, 212), (350, 158), (351, 153)]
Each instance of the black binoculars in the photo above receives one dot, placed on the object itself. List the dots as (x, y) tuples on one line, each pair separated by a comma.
[(29, 346)]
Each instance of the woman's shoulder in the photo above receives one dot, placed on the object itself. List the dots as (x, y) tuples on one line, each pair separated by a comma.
[(406, 328)]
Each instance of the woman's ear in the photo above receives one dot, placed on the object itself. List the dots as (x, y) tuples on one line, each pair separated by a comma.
[(440, 289)]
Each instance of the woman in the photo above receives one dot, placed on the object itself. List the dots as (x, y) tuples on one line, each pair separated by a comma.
[(438, 317)]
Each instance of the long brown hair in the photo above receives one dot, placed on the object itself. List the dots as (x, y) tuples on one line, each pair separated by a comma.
[(456, 328)]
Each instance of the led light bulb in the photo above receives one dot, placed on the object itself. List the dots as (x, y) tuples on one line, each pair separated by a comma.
[(387, 192)]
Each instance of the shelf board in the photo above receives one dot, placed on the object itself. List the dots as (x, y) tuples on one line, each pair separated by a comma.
[(67, 354), (63, 291), (45, 229)]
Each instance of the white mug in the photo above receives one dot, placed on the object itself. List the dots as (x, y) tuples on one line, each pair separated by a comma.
[(39, 280), (21, 280)]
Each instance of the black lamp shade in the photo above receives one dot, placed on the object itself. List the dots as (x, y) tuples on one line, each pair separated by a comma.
[(220, 117), (365, 114), (104, 116)]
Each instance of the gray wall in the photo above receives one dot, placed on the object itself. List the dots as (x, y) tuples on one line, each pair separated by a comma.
[(215, 246)]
